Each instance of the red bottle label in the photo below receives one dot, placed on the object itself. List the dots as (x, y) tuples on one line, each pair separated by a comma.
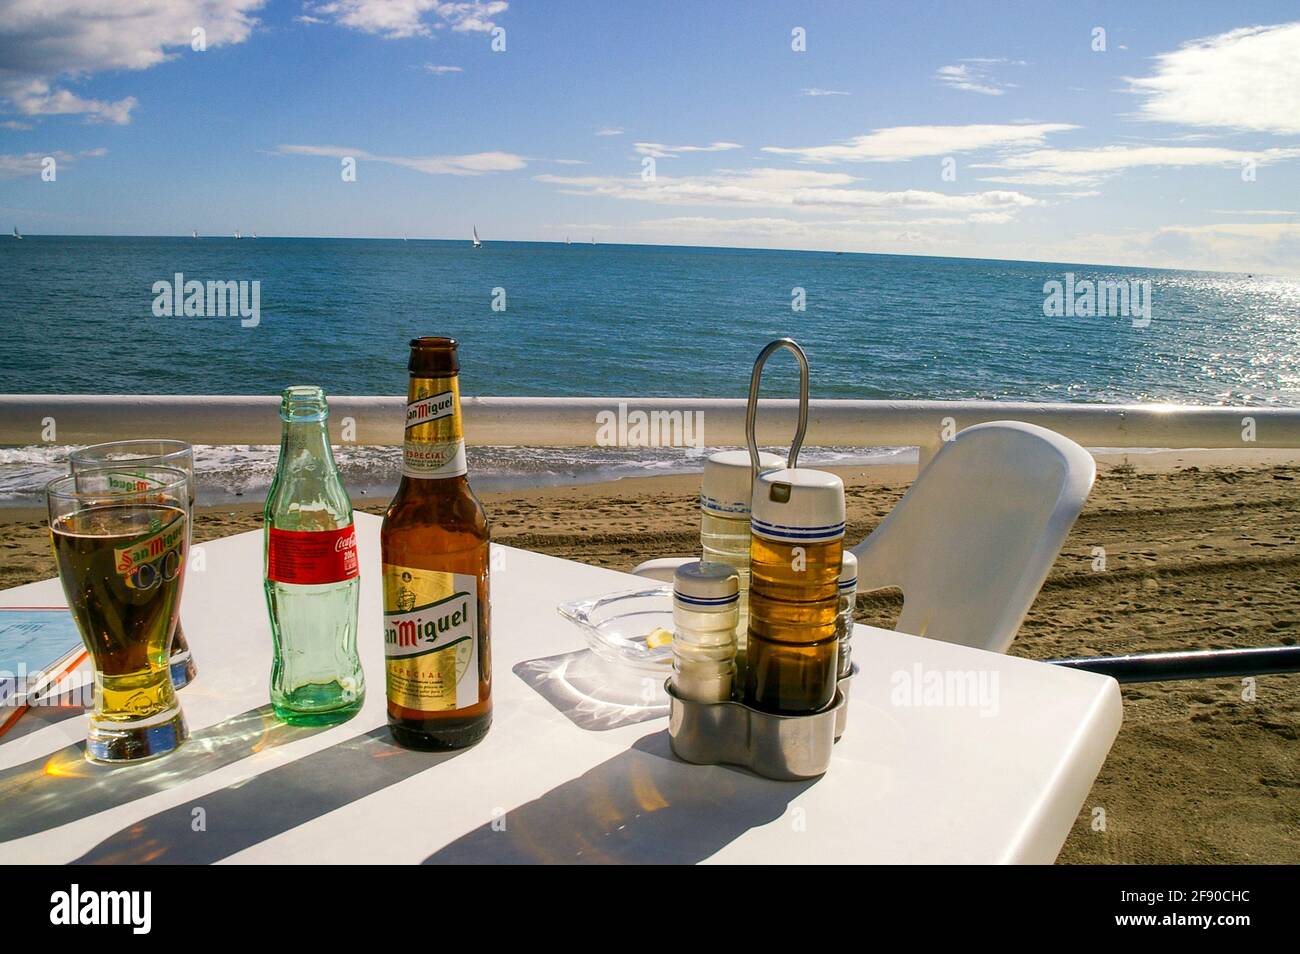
[(311, 556)]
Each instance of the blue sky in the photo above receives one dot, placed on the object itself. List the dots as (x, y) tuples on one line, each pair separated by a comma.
[(992, 130)]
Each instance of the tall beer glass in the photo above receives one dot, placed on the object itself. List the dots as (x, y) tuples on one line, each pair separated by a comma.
[(121, 543), (131, 455)]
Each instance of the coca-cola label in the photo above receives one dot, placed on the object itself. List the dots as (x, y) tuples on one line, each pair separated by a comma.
[(311, 556)]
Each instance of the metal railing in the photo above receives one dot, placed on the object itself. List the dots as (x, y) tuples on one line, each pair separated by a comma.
[(577, 422)]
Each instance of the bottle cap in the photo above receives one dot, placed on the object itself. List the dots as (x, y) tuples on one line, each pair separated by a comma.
[(433, 357), (706, 587), (798, 506), (848, 572), (728, 481)]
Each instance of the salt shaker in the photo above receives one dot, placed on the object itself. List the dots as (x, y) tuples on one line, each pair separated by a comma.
[(705, 608)]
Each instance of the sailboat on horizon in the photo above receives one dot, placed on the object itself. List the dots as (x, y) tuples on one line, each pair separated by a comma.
[(194, 233), (238, 234), (17, 234), (477, 243)]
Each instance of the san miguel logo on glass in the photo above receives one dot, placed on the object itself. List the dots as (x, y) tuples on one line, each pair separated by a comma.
[(434, 444), (431, 408), (143, 561), (430, 640)]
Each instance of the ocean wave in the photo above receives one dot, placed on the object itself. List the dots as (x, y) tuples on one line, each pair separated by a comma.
[(243, 472)]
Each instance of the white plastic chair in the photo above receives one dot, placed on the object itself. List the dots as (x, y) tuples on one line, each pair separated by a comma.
[(661, 568), (976, 534)]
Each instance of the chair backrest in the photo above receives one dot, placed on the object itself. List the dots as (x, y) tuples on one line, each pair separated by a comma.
[(973, 539)]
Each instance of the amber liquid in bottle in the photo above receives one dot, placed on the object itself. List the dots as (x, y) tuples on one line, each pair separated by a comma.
[(437, 614), (793, 651)]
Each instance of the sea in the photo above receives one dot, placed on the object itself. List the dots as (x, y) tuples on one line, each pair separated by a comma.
[(96, 315)]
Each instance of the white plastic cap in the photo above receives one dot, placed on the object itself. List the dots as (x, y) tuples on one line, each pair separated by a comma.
[(848, 571), (728, 481), (706, 587), (798, 506)]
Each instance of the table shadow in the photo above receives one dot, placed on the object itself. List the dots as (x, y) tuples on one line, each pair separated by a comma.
[(272, 802), (63, 787), (643, 806), (593, 694)]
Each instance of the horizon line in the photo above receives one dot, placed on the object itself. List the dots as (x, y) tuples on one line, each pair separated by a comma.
[(589, 244)]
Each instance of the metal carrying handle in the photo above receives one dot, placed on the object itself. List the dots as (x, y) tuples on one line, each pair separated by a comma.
[(751, 410)]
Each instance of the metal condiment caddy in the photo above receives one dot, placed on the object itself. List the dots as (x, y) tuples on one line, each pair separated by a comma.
[(778, 746)]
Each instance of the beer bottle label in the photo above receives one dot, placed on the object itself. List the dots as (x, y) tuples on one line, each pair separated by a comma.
[(311, 556), (431, 638), (434, 444)]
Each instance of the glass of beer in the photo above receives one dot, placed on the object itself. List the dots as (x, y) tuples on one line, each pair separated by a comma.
[(121, 542), (130, 456)]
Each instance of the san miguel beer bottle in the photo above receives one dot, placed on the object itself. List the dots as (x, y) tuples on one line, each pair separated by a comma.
[(435, 565)]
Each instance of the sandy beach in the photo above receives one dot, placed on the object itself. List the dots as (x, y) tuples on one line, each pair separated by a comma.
[(1201, 552)]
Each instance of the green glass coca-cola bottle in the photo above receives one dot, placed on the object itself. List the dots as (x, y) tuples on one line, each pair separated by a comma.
[(312, 580)]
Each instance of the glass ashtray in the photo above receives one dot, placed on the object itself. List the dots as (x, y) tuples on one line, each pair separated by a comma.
[(617, 625)]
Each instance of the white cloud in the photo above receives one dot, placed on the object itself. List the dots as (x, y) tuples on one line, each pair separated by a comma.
[(1061, 167), (473, 164), (1034, 177), (896, 143), (1244, 79), (975, 75), (818, 91), (785, 188), (44, 41), (878, 235), (916, 199), (967, 79), (659, 151), (441, 70), (1241, 246), (401, 19), (38, 99), (1254, 212), (610, 131), (31, 163), (714, 225)]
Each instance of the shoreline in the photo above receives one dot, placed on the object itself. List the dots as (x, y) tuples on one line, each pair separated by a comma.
[(878, 474)]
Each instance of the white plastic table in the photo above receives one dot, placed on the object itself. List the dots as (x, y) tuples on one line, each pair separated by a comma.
[(562, 776)]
